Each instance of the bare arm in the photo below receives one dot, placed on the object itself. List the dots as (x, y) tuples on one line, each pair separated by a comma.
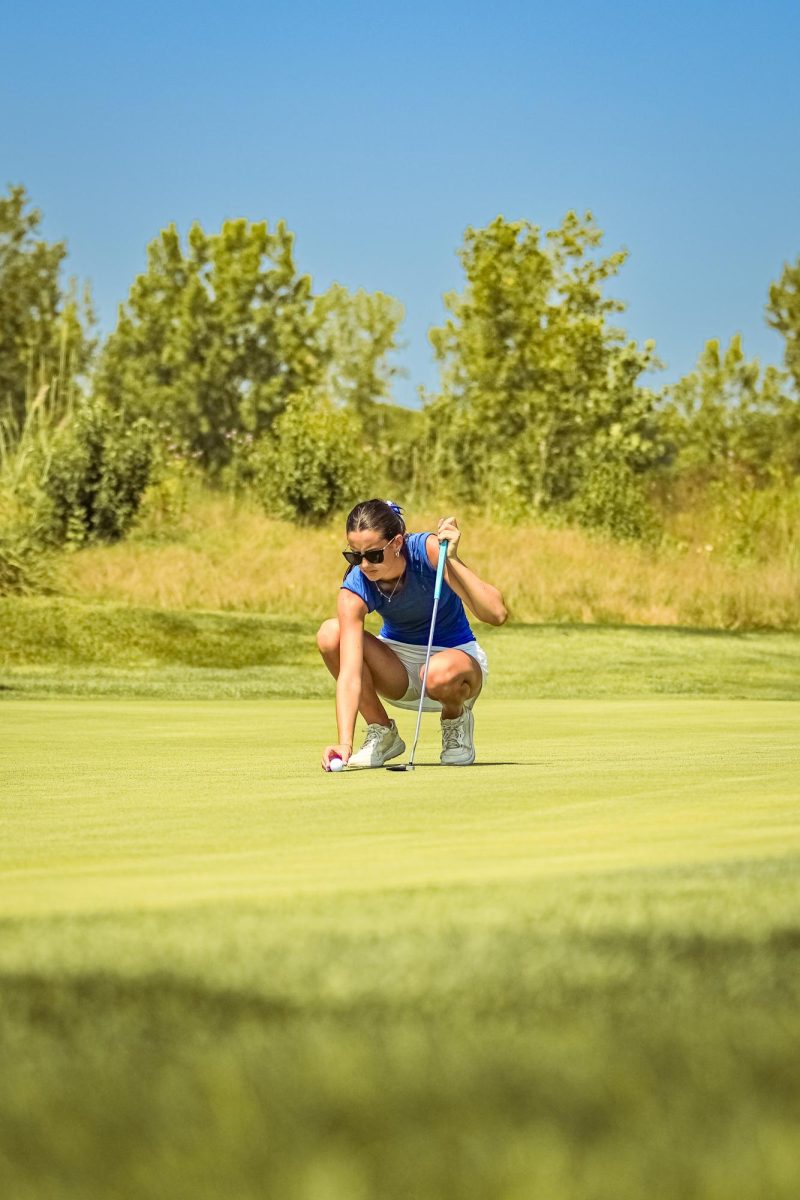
[(351, 611), (481, 598)]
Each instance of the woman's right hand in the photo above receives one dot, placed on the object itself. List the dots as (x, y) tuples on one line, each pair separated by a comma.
[(339, 751)]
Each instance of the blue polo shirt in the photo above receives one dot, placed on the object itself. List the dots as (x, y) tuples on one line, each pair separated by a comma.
[(407, 616)]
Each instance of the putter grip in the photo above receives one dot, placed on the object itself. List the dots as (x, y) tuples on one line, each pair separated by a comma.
[(437, 590)]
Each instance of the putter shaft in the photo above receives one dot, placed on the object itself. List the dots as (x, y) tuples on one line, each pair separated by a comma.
[(437, 591)]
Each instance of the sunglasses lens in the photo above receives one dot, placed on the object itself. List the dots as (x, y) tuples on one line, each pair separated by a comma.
[(354, 557)]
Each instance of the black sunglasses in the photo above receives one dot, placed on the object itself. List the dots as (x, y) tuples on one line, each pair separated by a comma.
[(354, 557)]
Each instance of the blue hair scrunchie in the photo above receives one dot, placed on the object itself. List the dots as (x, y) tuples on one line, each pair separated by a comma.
[(394, 507)]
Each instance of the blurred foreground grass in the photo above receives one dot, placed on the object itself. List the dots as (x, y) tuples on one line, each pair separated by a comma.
[(569, 973)]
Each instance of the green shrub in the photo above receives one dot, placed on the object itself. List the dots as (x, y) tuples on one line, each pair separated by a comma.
[(175, 476), (756, 523), (25, 565), (95, 475), (613, 499), (312, 463)]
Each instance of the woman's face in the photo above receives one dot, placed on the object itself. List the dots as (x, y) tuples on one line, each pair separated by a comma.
[(370, 539)]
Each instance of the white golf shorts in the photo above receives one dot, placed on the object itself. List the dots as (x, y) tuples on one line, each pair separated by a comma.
[(413, 657)]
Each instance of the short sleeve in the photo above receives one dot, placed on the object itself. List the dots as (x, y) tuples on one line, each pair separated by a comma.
[(417, 544), (355, 582)]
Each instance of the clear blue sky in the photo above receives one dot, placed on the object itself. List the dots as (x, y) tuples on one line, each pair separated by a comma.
[(380, 131)]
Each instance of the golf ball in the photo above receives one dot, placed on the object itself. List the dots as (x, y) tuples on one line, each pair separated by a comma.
[(336, 764)]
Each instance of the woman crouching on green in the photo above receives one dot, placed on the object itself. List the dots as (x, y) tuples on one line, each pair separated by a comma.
[(393, 573)]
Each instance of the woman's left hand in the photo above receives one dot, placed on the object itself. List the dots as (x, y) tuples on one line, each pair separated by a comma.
[(448, 531)]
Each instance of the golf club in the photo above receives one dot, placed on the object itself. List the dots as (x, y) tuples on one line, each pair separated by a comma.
[(437, 591)]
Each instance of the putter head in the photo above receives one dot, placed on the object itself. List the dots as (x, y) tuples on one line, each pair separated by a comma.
[(401, 767)]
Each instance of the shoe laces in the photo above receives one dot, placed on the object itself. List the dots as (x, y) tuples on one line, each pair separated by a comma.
[(454, 733), (375, 733)]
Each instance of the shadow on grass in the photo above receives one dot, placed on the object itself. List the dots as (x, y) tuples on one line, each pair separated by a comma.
[(491, 763), (69, 1002), (591, 629)]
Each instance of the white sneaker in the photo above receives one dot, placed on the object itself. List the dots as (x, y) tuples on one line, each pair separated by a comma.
[(458, 748), (381, 743)]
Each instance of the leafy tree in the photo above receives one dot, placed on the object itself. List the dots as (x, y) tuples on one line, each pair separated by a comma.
[(783, 314), (216, 338), (728, 416), (536, 385), (44, 331), (359, 332)]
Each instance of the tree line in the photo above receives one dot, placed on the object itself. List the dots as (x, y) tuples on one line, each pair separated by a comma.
[(224, 356)]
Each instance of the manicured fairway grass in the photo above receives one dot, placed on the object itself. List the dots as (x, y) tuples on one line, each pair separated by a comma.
[(572, 971), (57, 647)]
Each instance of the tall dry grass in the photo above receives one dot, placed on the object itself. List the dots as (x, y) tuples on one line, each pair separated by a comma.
[(226, 554)]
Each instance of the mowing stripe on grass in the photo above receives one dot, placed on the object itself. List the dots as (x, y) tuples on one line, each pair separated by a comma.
[(118, 804)]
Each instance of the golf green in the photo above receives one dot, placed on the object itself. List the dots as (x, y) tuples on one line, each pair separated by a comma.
[(120, 804), (570, 971)]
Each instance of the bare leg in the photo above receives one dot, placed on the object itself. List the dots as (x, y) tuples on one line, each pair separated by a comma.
[(453, 678), (382, 673)]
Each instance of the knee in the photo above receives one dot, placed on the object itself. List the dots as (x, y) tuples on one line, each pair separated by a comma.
[(442, 677), (328, 636)]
